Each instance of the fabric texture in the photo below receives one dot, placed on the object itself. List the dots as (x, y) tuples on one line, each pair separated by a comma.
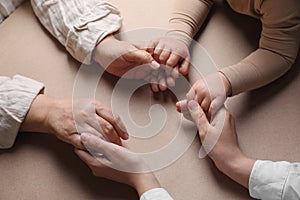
[(275, 180), (78, 25), (278, 45), (16, 97), (155, 194), (7, 7)]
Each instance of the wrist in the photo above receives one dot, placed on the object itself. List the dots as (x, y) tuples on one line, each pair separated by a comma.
[(36, 118), (98, 48), (238, 168), (227, 84), (144, 182)]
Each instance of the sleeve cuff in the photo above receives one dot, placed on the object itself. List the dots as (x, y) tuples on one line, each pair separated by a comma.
[(267, 179), (17, 96), (90, 29), (156, 193)]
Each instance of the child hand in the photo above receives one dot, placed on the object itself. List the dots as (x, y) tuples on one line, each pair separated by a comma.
[(210, 92)]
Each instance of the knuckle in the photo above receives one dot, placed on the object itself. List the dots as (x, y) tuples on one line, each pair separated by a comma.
[(109, 128)]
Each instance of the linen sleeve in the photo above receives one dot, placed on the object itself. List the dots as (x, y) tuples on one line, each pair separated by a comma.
[(278, 47), (187, 18), (79, 25), (275, 180), (16, 97), (156, 193)]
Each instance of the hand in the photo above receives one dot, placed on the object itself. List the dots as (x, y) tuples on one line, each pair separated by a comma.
[(226, 152), (58, 116), (116, 163), (118, 57), (175, 55), (210, 92)]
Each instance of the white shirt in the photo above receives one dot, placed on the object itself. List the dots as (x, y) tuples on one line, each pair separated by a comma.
[(275, 180), (16, 96)]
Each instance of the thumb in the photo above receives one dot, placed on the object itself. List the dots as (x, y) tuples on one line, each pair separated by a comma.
[(199, 118), (141, 57)]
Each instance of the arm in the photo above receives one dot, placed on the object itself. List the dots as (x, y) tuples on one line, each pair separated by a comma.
[(85, 28), (277, 50), (78, 25), (16, 97), (119, 164), (265, 179)]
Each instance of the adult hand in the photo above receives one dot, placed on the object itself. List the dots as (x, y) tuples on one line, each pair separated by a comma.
[(116, 163), (174, 54), (67, 119), (210, 92), (119, 57), (226, 152)]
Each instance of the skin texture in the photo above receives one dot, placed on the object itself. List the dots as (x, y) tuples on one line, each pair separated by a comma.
[(66, 120), (226, 154), (107, 157), (210, 92)]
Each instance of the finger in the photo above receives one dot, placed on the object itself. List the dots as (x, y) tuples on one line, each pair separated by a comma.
[(199, 118), (147, 46), (113, 119), (157, 51), (191, 95), (141, 57), (214, 107), (95, 144), (181, 105), (170, 81), (162, 83), (109, 131), (86, 157), (173, 60), (205, 104), (76, 141), (175, 72), (184, 67), (164, 56)]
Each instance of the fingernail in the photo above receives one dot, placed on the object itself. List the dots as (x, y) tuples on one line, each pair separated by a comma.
[(155, 64), (125, 136), (193, 105), (84, 137)]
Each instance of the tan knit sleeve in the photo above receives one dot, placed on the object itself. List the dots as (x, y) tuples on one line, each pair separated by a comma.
[(278, 48), (187, 18)]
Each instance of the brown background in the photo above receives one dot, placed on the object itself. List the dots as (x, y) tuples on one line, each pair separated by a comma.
[(41, 167)]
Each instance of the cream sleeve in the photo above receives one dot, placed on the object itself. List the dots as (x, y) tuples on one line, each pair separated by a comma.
[(187, 18), (278, 47), (79, 25), (16, 97)]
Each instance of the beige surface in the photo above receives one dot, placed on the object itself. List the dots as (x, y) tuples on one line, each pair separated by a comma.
[(41, 167)]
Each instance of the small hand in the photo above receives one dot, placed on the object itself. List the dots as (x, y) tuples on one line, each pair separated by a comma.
[(210, 92), (175, 57)]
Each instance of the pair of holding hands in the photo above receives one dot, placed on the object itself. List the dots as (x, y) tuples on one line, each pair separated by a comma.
[(162, 60)]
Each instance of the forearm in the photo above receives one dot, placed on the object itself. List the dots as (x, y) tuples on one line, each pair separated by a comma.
[(78, 25), (187, 18), (258, 69), (36, 118), (238, 169)]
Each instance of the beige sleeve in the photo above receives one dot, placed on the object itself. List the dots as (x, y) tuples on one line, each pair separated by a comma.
[(278, 47), (79, 25), (187, 18)]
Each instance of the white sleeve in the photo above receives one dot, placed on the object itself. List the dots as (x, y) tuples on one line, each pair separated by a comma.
[(156, 194), (79, 25), (16, 96), (275, 180)]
